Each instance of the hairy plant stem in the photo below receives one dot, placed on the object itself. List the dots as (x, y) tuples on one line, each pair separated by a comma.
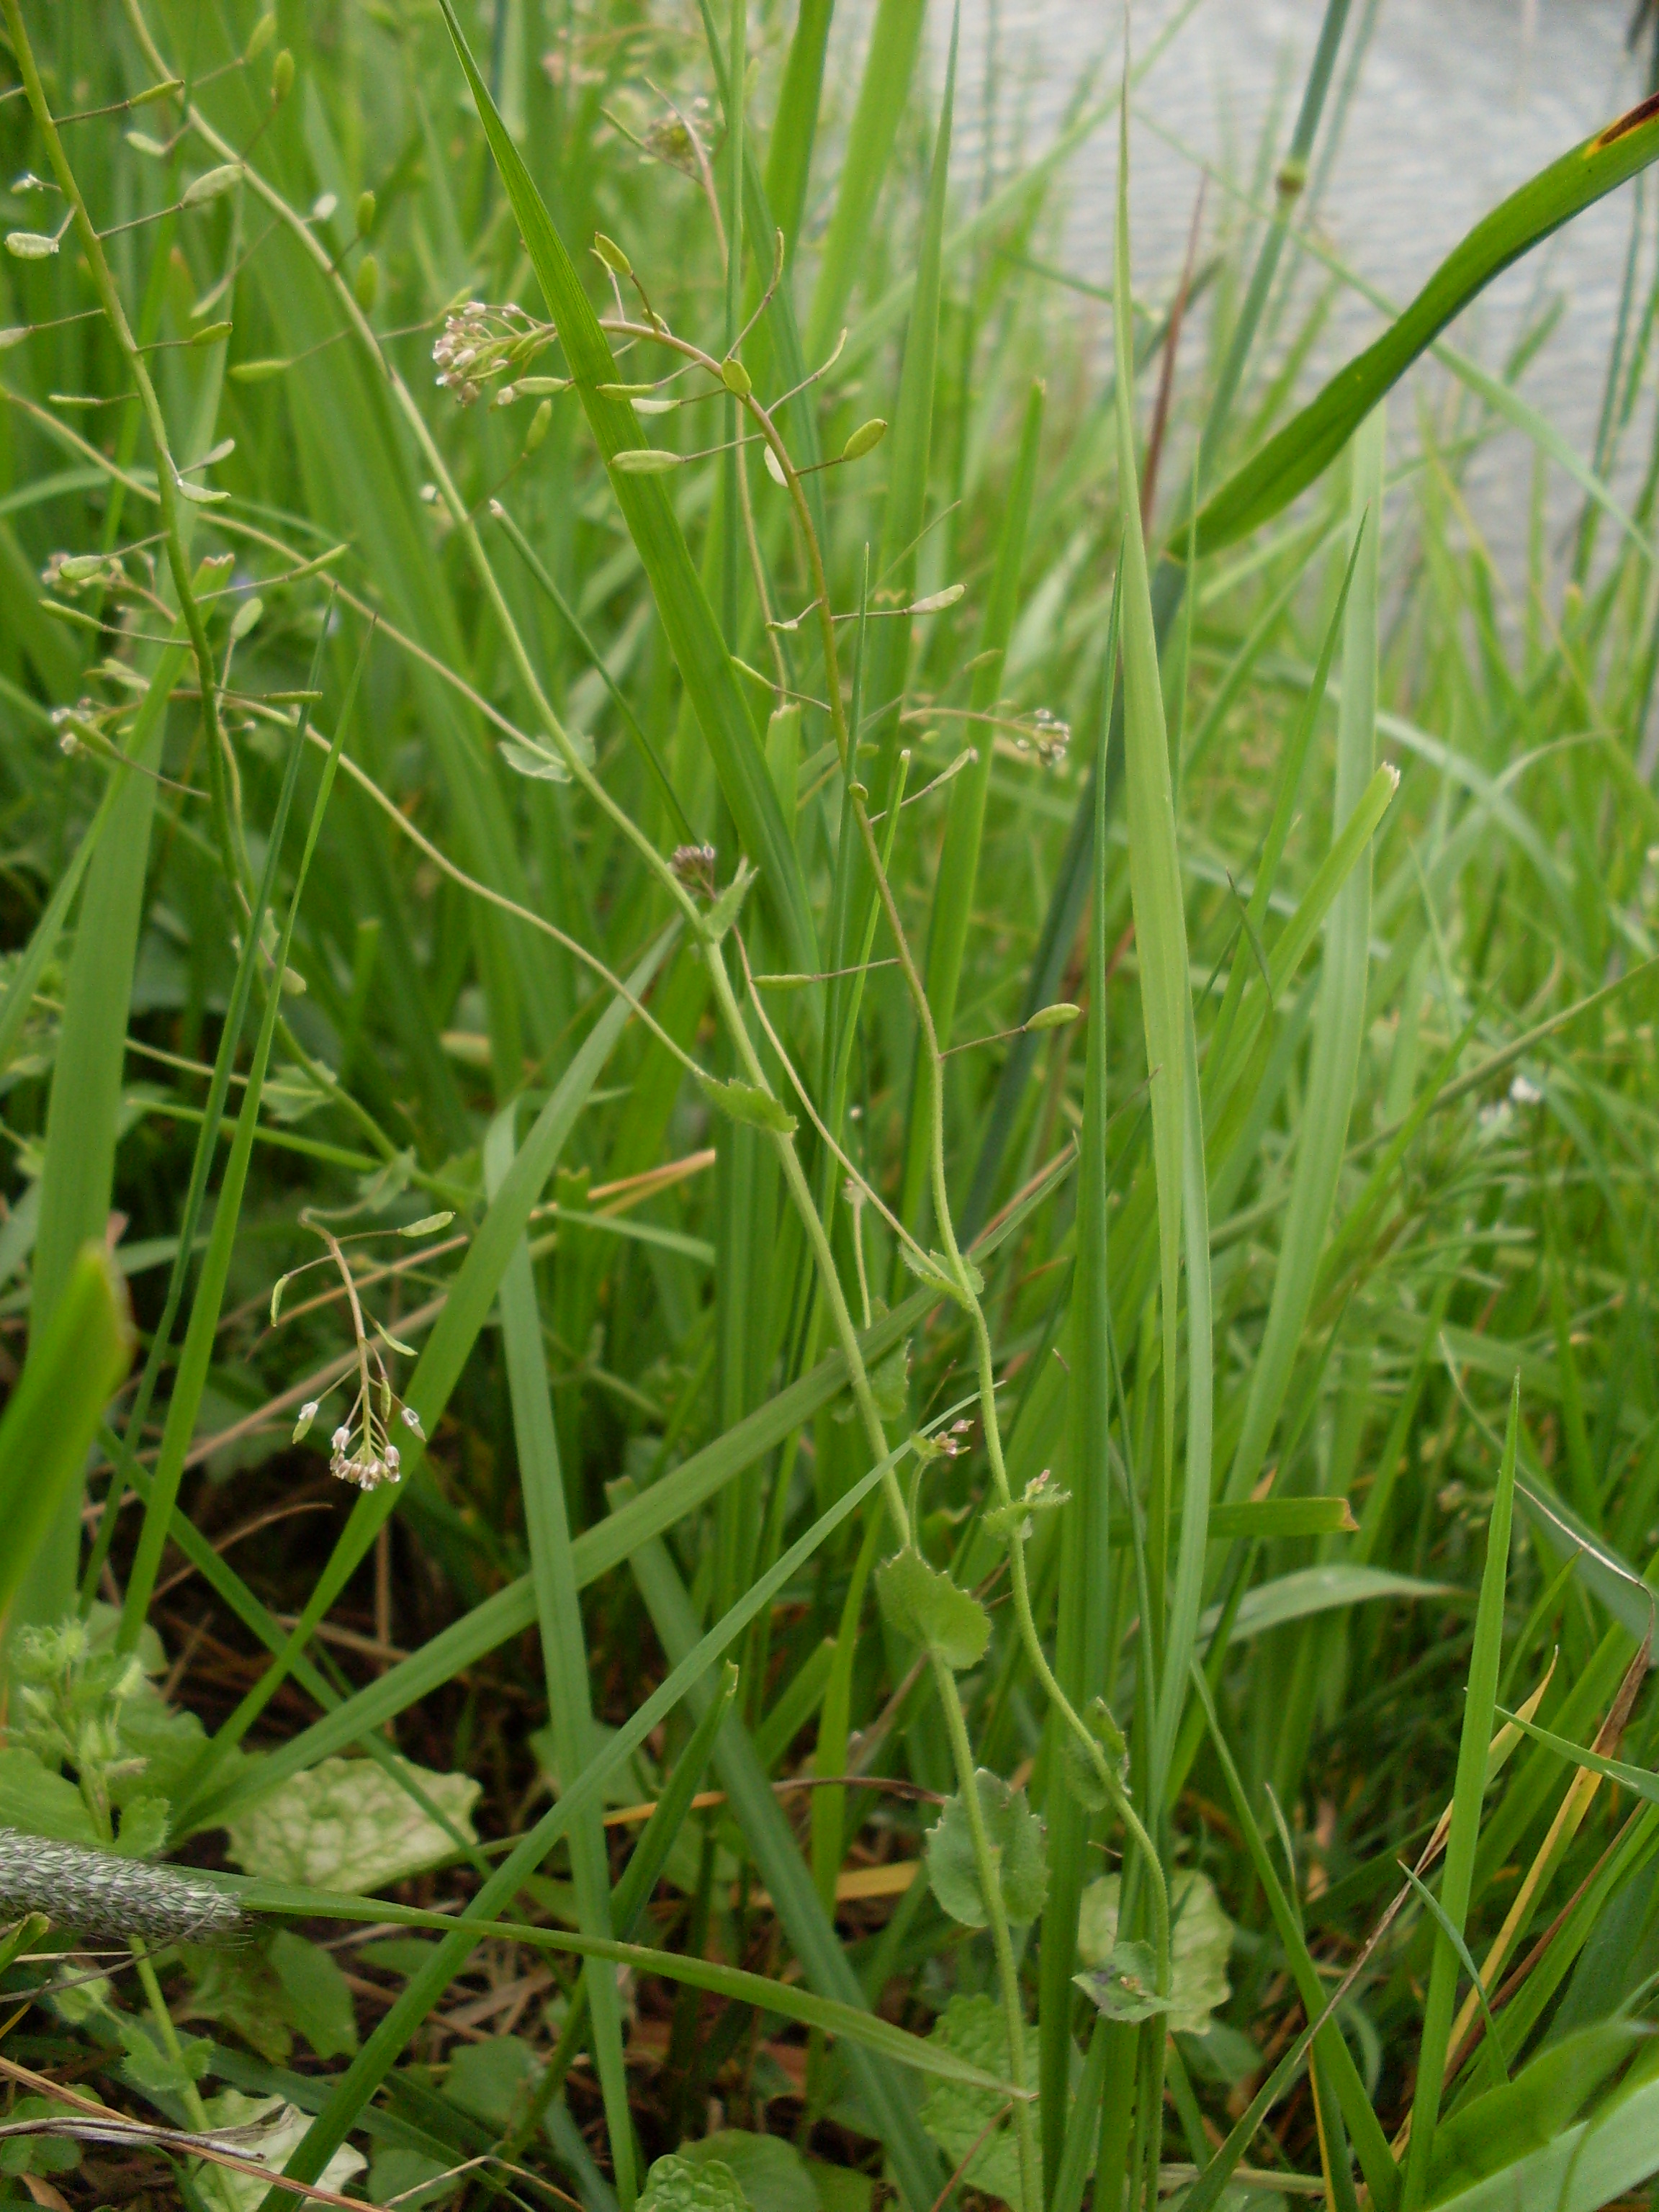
[(987, 1862), (190, 2095)]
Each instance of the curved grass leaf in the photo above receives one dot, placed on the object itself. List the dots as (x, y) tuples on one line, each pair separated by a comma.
[(1307, 445), (787, 2001), (564, 1653)]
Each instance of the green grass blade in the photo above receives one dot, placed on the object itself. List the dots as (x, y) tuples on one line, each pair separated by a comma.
[(564, 1653), (1376, 2161), (812, 1933), (466, 1311), (1306, 446), (78, 1179), (43, 938), (595, 1552), (74, 1364), (638, 1881), (197, 1356), (884, 661), (894, 40), (1080, 1650), (1480, 1705), (386, 2045), (699, 650), (866, 2030), (1166, 1014), (964, 824), (1340, 1020), (794, 128)]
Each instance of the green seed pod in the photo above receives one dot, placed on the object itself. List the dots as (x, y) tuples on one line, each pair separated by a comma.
[(645, 461), (367, 283), (612, 255), (538, 427), (257, 372), (260, 37), (735, 377), (1060, 1016), (212, 185), (865, 439), (209, 334), (281, 75), (365, 214)]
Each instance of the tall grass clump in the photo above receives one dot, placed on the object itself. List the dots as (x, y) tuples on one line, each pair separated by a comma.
[(829, 1215)]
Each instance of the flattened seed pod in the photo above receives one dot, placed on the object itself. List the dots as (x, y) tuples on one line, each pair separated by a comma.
[(96, 1893)]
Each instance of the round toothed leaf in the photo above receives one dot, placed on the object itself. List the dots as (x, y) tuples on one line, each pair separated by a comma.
[(974, 2126), (921, 1603), (1125, 1985), (1201, 1940), (1016, 1836), (684, 2185)]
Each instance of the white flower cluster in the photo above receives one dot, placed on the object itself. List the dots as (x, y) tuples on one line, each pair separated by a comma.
[(1047, 736), (479, 342), (359, 1449)]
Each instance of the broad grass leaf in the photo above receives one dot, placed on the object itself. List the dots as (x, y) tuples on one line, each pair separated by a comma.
[(1015, 1833), (1498, 2129), (924, 1604), (346, 1825), (976, 2028), (1580, 2169)]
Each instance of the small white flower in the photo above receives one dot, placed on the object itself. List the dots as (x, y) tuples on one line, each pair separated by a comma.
[(412, 1420), (392, 1462), (341, 1438), (1525, 1092)]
